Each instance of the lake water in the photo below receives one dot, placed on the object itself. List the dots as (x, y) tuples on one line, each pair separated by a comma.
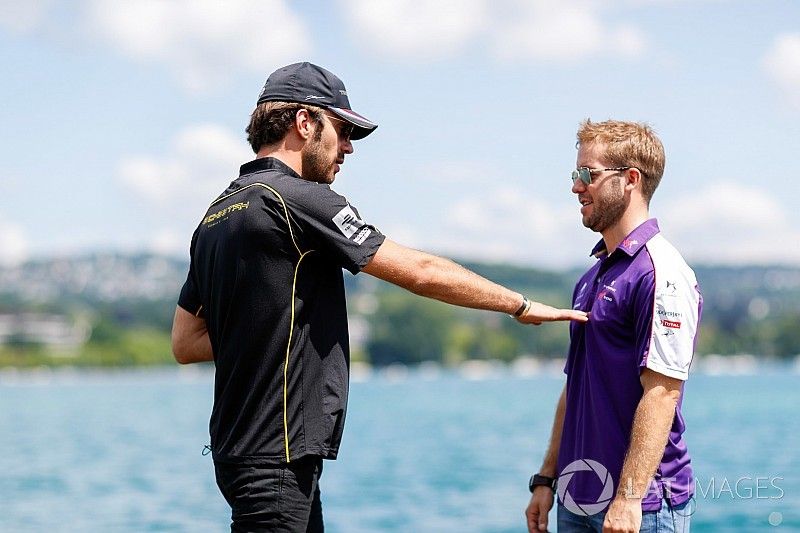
[(422, 451)]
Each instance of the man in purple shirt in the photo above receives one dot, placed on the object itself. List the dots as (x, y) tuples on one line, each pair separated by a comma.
[(617, 458)]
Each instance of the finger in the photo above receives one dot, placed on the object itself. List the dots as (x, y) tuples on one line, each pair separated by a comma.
[(572, 314), (544, 313), (532, 515), (543, 518)]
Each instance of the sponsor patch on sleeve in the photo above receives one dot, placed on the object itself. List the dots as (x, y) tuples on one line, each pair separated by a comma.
[(349, 224), (362, 235)]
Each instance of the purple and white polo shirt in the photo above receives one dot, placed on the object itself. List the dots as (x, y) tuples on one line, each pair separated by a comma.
[(645, 308)]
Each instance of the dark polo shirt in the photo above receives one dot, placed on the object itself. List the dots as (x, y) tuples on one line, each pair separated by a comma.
[(266, 274)]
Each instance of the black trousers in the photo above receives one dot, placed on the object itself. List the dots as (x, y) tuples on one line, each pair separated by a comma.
[(282, 497)]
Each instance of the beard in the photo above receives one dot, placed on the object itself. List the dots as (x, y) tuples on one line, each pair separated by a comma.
[(607, 210), (318, 166)]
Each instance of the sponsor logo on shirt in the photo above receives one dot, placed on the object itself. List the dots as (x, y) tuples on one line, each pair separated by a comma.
[(223, 214), (670, 323), (629, 243), (348, 223), (603, 295)]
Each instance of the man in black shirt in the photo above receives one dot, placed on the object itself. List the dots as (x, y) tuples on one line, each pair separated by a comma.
[(264, 299)]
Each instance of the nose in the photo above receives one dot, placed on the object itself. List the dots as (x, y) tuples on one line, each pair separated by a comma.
[(346, 145), (578, 186)]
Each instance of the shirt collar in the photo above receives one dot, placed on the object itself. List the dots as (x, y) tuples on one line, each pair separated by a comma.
[(267, 163), (633, 242)]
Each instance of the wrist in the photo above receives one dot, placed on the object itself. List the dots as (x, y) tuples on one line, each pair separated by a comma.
[(522, 310), (539, 480)]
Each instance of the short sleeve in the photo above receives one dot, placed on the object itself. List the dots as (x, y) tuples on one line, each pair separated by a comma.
[(189, 298), (674, 316), (336, 227)]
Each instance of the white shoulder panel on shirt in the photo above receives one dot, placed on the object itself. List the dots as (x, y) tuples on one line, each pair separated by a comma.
[(675, 313)]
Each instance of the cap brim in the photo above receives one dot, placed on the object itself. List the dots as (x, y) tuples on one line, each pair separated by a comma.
[(362, 126)]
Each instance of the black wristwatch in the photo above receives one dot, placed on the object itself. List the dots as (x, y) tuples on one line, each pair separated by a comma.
[(539, 480)]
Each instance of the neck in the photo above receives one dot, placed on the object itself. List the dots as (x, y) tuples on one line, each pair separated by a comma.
[(631, 219), (290, 158)]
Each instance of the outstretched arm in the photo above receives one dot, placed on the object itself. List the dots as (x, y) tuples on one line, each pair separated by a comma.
[(442, 279), (651, 425), (190, 341)]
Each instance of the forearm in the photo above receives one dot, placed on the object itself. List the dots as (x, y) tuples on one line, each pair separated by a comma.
[(449, 282), (441, 279), (550, 463), (197, 350), (651, 425)]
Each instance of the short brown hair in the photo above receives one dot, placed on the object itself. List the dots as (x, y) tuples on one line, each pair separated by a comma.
[(628, 144), (271, 121)]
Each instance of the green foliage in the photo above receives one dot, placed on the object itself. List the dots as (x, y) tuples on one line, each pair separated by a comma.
[(752, 310), (116, 347), (408, 330)]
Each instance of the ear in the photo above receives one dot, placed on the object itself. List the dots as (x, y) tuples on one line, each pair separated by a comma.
[(633, 178), (304, 124)]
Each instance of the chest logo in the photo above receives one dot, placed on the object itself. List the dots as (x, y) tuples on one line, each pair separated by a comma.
[(604, 295)]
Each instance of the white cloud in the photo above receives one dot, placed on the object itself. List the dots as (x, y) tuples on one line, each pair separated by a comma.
[(13, 243), (509, 224), (168, 241), (205, 42), (415, 29), (730, 223), (202, 160), (23, 17), (782, 63), (723, 223), (543, 30), (539, 30)]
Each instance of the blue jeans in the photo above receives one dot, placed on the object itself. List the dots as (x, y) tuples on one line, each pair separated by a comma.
[(668, 520)]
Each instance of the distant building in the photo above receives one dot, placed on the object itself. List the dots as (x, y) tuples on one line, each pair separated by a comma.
[(56, 332)]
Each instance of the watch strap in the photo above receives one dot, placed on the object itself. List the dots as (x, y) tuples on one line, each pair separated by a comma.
[(538, 480)]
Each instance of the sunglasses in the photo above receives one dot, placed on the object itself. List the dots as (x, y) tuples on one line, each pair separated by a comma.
[(344, 131), (585, 173)]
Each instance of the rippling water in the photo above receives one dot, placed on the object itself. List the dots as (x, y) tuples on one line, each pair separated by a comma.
[(425, 451)]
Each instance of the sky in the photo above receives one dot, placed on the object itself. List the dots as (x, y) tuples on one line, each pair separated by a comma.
[(121, 121)]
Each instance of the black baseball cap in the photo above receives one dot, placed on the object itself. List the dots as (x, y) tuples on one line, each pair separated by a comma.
[(306, 83)]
